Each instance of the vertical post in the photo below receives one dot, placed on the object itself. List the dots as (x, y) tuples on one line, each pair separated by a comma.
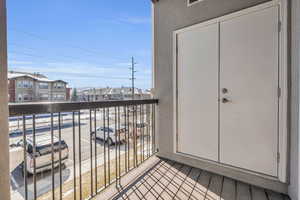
[(4, 140), (79, 155), (91, 151), (116, 147), (95, 146), (59, 155), (52, 159), (34, 158), (119, 128), (108, 144), (132, 76), (74, 154), (126, 139), (104, 144), (25, 159)]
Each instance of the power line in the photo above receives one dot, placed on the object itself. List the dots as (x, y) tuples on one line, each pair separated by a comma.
[(41, 56), (90, 51), (87, 50), (111, 77), (38, 56), (104, 77)]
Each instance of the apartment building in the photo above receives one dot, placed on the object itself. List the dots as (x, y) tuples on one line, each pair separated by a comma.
[(108, 93), (29, 87)]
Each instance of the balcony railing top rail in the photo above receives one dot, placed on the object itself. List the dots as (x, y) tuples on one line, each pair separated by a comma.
[(17, 109), (125, 128)]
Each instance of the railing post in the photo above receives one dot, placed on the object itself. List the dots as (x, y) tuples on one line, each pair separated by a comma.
[(133, 117), (4, 149)]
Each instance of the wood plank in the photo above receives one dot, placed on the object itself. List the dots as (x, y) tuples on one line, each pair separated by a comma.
[(191, 180), (243, 191), (134, 196), (274, 196), (177, 181), (215, 188), (193, 177), (182, 174), (149, 195), (258, 193), (146, 188), (285, 197), (185, 188), (166, 182), (201, 186), (158, 179), (229, 188)]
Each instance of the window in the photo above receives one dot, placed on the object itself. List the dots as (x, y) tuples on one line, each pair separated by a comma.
[(44, 96), (191, 2), (27, 97), (43, 85), (25, 84), (59, 85), (59, 97), (47, 149), (20, 84)]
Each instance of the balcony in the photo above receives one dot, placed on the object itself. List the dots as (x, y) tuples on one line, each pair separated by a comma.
[(164, 179), (118, 162), (76, 150)]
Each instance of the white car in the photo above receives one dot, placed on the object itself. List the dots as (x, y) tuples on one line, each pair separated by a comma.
[(43, 154), (108, 134)]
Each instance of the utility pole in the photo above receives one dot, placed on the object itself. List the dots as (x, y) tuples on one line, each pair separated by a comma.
[(132, 76)]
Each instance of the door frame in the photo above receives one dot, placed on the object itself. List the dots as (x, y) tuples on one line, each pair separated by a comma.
[(283, 127)]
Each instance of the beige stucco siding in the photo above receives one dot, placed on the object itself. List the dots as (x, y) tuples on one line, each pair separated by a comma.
[(4, 158), (171, 15)]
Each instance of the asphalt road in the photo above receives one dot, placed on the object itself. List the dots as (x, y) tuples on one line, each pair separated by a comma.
[(44, 179)]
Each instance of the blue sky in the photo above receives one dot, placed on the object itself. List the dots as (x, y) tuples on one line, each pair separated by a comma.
[(87, 43)]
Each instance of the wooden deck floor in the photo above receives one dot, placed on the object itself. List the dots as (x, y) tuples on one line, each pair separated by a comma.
[(171, 180)]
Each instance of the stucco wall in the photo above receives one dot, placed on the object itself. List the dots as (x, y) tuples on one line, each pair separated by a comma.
[(170, 15), (294, 187), (4, 158)]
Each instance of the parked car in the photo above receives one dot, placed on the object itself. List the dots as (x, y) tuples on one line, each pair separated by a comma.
[(142, 129), (43, 155), (108, 134)]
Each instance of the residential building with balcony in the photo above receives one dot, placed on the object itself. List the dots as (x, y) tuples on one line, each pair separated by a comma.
[(34, 87), (108, 93)]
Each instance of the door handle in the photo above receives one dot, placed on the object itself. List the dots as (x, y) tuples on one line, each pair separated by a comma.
[(225, 100)]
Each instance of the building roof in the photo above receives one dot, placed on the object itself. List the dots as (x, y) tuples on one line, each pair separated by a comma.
[(111, 91), (35, 76)]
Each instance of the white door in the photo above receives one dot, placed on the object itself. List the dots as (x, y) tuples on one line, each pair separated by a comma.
[(249, 81), (197, 83)]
